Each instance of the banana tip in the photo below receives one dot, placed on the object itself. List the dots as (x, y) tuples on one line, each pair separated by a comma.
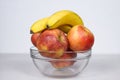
[(31, 32)]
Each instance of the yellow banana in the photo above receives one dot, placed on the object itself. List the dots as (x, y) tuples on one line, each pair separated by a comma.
[(39, 25), (64, 17), (65, 28)]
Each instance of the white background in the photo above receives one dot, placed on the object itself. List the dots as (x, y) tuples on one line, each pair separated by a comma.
[(102, 17)]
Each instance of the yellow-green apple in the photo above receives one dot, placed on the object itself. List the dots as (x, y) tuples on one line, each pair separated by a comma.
[(52, 40), (34, 38), (80, 38), (63, 61)]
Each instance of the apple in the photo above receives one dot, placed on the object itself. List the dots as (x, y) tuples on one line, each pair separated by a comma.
[(80, 38), (52, 40), (34, 38), (62, 62)]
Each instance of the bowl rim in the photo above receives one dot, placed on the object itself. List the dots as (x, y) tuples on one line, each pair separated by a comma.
[(86, 53)]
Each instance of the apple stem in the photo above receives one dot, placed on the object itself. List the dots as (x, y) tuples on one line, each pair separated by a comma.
[(31, 32)]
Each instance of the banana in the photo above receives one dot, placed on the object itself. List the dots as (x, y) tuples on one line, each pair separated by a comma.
[(65, 28), (64, 17), (39, 25)]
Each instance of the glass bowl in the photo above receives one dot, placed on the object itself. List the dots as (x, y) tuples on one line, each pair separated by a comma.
[(60, 67)]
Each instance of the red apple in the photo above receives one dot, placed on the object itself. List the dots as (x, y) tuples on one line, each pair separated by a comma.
[(62, 62), (80, 38), (34, 38), (52, 40)]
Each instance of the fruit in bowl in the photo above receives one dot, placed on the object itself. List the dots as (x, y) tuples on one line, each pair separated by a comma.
[(62, 62), (80, 38), (61, 39), (34, 38), (52, 40)]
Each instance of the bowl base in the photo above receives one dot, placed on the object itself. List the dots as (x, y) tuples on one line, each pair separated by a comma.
[(63, 72)]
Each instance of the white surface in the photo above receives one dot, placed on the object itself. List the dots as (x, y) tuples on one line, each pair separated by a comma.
[(100, 16), (20, 67)]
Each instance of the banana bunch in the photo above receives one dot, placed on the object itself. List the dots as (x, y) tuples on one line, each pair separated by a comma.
[(63, 20)]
